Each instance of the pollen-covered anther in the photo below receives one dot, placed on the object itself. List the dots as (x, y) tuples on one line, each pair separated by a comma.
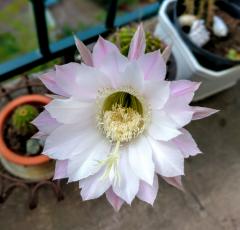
[(122, 123)]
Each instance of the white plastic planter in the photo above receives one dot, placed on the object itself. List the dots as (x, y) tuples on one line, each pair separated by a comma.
[(188, 66)]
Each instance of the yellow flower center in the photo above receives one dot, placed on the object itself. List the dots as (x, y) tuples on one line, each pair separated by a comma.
[(121, 117), (122, 124)]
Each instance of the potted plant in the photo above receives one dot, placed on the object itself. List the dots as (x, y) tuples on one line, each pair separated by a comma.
[(123, 36), (20, 154), (200, 62), (210, 29)]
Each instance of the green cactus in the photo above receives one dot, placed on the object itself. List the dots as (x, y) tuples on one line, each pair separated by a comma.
[(233, 55), (122, 38), (21, 119)]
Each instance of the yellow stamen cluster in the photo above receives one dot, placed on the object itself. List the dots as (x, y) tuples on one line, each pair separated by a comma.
[(122, 124)]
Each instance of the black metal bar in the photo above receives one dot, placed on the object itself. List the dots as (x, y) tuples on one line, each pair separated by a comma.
[(111, 14), (41, 26)]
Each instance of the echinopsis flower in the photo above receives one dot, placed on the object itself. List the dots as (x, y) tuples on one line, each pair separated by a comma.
[(115, 123)]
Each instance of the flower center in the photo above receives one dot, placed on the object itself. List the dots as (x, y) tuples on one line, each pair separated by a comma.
[(122, 117)]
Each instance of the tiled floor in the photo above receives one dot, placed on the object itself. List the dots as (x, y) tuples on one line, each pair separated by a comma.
[(212, 200)]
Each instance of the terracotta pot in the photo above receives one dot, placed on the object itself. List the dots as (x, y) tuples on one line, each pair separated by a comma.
[(32, 168)]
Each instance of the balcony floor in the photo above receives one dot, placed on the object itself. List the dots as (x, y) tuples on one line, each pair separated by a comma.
[(212, 181)]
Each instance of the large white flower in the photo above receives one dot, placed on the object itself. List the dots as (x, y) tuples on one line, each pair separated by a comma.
[(117, 123)]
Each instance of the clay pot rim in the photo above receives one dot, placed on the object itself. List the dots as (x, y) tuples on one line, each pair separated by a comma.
[(4, 114)]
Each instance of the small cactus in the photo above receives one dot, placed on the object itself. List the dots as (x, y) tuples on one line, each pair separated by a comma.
[(122, 38), (233, 55), (21, 119), (33, 146)]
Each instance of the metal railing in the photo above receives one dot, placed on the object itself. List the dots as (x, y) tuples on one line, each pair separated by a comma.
[(65, 47)]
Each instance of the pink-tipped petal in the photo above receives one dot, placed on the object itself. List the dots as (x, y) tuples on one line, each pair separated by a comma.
[(60, 169), (113, 65), (114, 200), (94, 187), (202, 112), (81, 81), (84, 52), (153, 66), (138, 44), (169, 161), (167, 53), (178, 108), (101, 49), (183, 87), (147, 192), (49, 80), (186, 144), (40, 136), (175, 181), (45, 123)]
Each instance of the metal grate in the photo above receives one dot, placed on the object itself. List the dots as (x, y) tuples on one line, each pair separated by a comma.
[(65, 47)]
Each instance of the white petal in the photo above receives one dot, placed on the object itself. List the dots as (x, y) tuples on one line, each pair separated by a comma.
[(91, 81), (128, 185), (138, 44), (101, 49), (183, 87), (167, 53), (66, 78), (84, 52), (70, 140), (49, 80), (114, 200), (181, 115), (153, 66), (175, 181), (60, 169), (202, 112), (45, 123), (112, 65), (147, 192), (169, 161), (157, 93), (178, 108), (132, 76), (186, 144), (94, 186), (80, 80), (140, 159), (70, 111), (88, 162), (162, 127)]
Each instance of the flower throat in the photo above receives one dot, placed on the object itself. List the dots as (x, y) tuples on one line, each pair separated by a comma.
[(122, 117)]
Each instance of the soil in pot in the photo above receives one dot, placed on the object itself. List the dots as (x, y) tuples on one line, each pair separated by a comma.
[(221, 46), (16, 141)]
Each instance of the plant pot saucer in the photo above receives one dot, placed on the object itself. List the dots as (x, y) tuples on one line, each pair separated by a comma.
[(30, 173)]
